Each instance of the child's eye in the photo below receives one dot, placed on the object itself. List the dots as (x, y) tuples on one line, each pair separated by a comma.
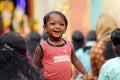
[(62, 24), (52, 23)]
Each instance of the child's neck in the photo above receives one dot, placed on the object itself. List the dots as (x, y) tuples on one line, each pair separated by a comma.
[(56, 42)]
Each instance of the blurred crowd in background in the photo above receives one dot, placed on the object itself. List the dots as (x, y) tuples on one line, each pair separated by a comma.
[(92, 45), (14, 16)]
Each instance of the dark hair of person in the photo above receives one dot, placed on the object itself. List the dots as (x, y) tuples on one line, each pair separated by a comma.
[(16, 41), (46, 17), (32, 40), (115, 38), (14, 65), (45, 36), (108, 52), (77, 40), (91, 36), (0, 35)]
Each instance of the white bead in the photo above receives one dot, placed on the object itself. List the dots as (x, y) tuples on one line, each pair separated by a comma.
[(65, 51)]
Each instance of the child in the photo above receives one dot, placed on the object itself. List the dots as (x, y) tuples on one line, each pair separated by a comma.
[(56, 53), (110, 70)]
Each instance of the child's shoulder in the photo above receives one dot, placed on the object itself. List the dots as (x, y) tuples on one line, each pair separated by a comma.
[(43, 43), (69, 43)]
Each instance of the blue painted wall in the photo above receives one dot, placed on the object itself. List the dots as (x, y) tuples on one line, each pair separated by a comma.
[(96, 10)]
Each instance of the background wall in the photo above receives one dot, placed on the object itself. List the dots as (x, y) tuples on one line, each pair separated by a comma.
[(82, 14), (112, 8), (96, 10)]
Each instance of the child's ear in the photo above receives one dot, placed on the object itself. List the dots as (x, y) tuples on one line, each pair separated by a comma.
[(44, 27)]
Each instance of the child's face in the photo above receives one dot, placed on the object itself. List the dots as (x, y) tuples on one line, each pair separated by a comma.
[(55, 26)]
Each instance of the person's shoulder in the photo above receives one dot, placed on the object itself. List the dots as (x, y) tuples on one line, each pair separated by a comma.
[(67, 41), (79, 50), (43, 42), (110, 62), (110, 67)]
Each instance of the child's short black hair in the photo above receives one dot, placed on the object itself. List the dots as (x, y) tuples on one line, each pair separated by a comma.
[(45, 19)]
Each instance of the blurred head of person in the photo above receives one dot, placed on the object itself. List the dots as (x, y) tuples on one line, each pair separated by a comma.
[(77, 40), (14, 64), (90, 40), (91, 36), (32, 40), (16, 41)]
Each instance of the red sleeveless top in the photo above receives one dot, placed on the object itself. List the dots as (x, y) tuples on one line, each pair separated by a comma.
[(56, 62)]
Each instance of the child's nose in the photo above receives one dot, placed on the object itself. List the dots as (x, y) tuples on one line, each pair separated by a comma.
[(57, 25)]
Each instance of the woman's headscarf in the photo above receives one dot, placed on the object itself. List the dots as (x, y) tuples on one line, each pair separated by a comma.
[(105, 25)]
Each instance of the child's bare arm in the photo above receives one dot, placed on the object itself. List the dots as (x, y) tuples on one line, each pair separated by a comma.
[(37, 57), (77, 63), (75, 72)]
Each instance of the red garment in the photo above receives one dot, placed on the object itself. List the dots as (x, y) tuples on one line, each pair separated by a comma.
[(56, 62)]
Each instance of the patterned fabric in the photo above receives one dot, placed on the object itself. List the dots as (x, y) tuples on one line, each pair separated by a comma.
[(96, 57)]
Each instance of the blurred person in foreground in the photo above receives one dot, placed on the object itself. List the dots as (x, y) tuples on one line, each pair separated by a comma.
[(14, 64), (110, 70)]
